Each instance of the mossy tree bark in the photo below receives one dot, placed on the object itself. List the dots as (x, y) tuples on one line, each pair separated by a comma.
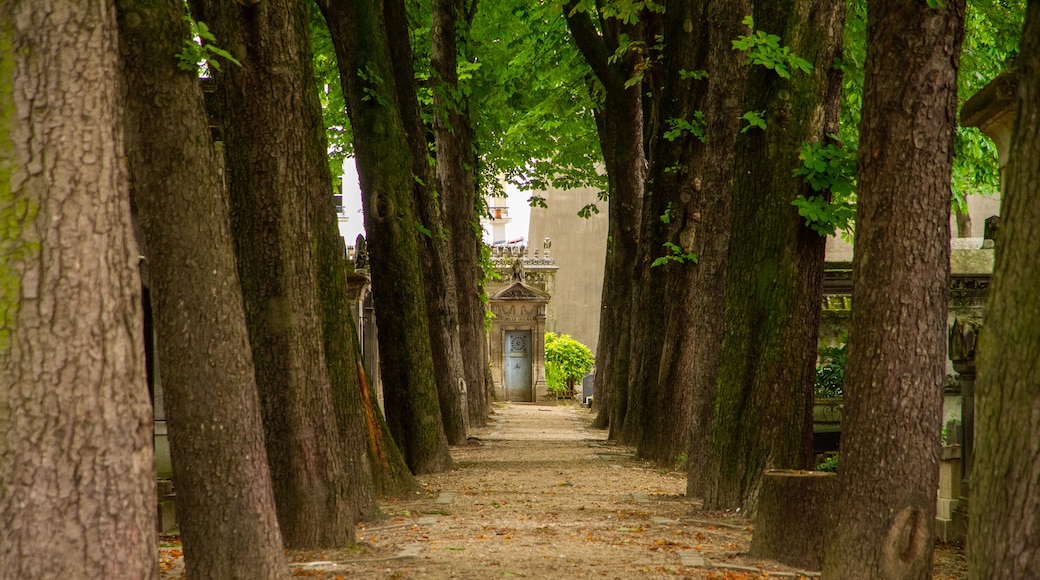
[(897, 335), (774, 286), (438, 256), (76, 462), (679, 312), (456, 160), (276, 169), (1003, 531), (226, 508), (385, 168), (619, 123)]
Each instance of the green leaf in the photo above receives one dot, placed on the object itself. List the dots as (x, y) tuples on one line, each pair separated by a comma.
[(754, 119)]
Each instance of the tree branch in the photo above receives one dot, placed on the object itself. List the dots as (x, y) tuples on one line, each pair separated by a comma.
[(593, 47)]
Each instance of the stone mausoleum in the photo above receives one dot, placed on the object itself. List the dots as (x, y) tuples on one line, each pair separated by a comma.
[(522, 311)]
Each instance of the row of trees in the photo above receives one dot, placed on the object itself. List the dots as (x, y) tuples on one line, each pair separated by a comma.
[(738, 279), (269, 411)]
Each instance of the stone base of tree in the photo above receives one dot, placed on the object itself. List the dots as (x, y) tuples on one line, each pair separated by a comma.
[(795, 513)]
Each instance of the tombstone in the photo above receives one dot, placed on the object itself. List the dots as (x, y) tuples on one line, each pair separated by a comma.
[(586, 389)]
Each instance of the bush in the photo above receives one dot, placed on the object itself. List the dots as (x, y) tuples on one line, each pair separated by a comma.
[(567, 361)]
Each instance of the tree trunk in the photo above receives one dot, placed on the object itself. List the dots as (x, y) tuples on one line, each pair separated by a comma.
[(795, 516), (76, 462), (620, 127), (276, 165), (438, 261), (896, 351), (774, 287), (390, 474), (1003, 530), (226, 504), (385, 168), (456, 159), (688, 205)]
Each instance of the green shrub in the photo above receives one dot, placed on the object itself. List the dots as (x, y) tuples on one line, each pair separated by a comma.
[(567, 361), (829, 463)]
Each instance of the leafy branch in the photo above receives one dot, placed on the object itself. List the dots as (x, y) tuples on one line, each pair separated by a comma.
[(372, 80), (588, 211), (675, 254), (831, 171), (695, 127), (200, 50), (765, 49)]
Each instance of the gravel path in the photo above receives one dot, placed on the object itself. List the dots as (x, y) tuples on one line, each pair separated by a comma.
[(539, 495)]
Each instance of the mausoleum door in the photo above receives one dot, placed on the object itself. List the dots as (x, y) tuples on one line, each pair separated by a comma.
[(518, 365)]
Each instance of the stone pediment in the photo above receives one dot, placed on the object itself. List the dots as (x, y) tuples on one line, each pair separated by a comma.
[(521, 291)]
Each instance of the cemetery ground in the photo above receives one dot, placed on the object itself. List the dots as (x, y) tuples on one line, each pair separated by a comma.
[(537, 494)]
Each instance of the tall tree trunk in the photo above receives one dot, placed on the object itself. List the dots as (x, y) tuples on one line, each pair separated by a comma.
[(76, 462), (390, 474), (1003, 531), (456, 160), (774, 287), (620, 126), (688, 205), (276, 167), (227, 511), (385, 168), (897, 335), (437, 253)]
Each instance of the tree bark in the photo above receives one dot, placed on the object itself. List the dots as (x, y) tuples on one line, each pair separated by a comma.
[(76, 462), (385, 169), (390, 474), (435, 245), (226, 503), (774, 286), (276, 166), (456, 160), (1003, 529), (619, 124), (688, 205), (894, 375), (795, 516)]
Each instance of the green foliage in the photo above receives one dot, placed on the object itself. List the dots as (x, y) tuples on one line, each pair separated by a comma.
[(830, 373), (490, 275), (675, 254), (566, 362), (695, 127), (754, 119), (200, 52), (625, 11), (764, 49), (587, 211), (532, 100), (693, 75), (991, 34), (824, 217), (829, 464), (330, 93), (830, 170), (666, 217), (372, 82)]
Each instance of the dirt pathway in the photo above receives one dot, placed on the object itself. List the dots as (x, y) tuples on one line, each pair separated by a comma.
[(540, 495)]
